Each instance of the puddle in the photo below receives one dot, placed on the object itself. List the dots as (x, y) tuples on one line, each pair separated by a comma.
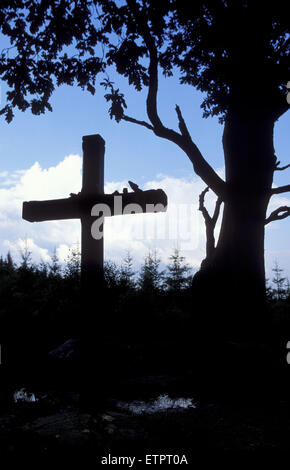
[(24, 396), (161, 404)]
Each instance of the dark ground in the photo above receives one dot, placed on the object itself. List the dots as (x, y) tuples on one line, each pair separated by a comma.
[(239, 413), (148, 345)]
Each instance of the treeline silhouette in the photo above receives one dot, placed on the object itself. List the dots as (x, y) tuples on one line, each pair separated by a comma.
[(41, 305)]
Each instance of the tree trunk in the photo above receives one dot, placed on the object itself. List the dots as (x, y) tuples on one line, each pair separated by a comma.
[(235, 274)]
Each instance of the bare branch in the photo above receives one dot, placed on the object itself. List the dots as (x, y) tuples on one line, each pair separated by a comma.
[(183, 140), (281, 168), (217, 210), (278, 214), (202, 207), (182, 125), (210, 223), (136, 121), (277, 163), (280, 189)]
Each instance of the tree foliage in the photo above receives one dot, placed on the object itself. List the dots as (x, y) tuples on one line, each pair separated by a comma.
[(279, 291), (226, 49), (150, 276), (38, 57), (178, 272)]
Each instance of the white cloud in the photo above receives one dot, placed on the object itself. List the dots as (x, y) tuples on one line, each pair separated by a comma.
[(22, 246), (181, 226), (38, 184)]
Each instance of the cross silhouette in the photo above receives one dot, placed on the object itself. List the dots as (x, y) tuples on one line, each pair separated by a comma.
[(83, 206)]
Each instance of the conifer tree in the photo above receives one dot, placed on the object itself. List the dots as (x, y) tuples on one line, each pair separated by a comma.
[(178, 272), (111, 274), (73, 264), (279, 290), (55, 270), (127, 272), (150, 277)]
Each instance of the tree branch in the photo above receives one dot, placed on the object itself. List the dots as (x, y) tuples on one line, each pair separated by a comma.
[(280, 189), (210, 223), (217, 210), (278, 214), (136, 121), (202, 207), (182, 126), (281, 168), (183, 140), (277, 163)]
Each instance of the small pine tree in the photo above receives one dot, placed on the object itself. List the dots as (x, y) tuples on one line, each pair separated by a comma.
[(111, 274), (55, 270), (287, 288), (269, 290), (7, 265), (26, 258), (150, 277), (9, 262), (178, 272), (73, 264), (279, 290), (127, 272), (42, 269)]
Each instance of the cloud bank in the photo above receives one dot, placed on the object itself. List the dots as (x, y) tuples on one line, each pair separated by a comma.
[(182, 226)]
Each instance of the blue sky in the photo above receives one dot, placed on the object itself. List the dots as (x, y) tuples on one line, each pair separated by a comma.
[(132, 152)]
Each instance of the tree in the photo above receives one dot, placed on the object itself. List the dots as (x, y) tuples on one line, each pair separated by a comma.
[(7, 265), (111, 274), (127, 272), (26, 258), (55, 270), (279, 291), (178, 272), (234, 51), (150, 277), (73, 264)]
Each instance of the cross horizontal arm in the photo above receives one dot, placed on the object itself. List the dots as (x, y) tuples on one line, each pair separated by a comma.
[(78, 206), (54, 209)]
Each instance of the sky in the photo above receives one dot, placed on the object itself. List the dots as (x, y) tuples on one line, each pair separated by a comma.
[(41, 158)]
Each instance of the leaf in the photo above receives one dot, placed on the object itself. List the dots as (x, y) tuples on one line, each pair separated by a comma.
[(9, 114), (91, 88)]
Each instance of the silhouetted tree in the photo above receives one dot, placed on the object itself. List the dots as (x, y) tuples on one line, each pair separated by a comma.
[(150, 277), (127, 272), (111, 274), (269, 290), (55, 269), (279, 291), (287, 288), (26, 258), (178, 272), (7, 265), (73, 264), (9, 262)]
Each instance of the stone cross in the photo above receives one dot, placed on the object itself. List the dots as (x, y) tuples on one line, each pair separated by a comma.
[(83, 206)]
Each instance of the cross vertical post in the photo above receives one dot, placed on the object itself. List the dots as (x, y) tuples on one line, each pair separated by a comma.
[(92, 250)]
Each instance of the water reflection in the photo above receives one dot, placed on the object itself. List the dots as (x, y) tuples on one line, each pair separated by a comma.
[(160, 404)]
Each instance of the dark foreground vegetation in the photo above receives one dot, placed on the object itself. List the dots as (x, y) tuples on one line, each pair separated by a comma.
[(152, 340)]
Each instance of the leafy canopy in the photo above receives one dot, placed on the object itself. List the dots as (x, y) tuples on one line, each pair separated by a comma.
[(236, 51)]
